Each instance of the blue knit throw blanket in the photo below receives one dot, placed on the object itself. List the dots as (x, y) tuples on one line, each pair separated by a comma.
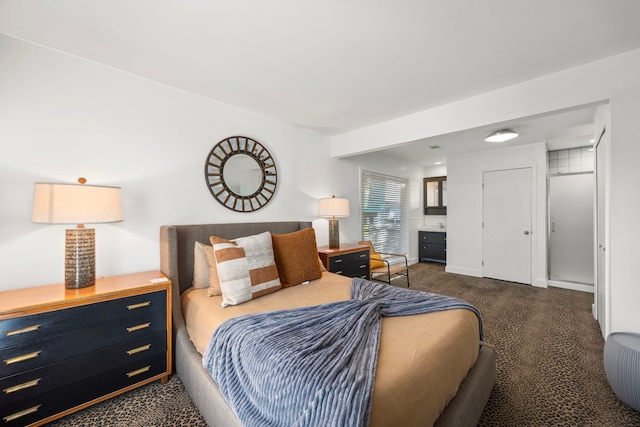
[(311, 366)]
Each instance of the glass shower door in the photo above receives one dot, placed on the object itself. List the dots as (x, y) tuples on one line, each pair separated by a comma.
[(571, 241)]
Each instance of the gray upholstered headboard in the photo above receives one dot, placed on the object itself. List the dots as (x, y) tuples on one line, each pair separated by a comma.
[(176, 253), (177, 242)]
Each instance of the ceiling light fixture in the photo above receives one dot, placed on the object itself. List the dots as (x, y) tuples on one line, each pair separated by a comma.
[(501, 135)]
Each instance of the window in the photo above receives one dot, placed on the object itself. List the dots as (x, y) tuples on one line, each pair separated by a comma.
[(385, 212)]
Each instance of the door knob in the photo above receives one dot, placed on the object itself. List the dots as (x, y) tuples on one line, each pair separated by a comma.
[(526, 232)]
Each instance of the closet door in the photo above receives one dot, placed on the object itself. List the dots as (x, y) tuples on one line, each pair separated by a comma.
[(601, 283), (506, 237)]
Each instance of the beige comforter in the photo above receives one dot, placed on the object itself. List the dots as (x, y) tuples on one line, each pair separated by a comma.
[(422, 358)]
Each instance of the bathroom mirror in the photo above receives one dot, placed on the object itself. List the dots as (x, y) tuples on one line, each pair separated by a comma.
[(435, 195), (241, 174)]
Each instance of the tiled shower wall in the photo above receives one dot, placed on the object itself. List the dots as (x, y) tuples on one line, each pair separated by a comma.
[(571, 160)]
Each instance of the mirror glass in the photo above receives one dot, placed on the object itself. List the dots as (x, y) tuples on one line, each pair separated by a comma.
[(444, 193), (432, 193), (242, 174), (435, 195)]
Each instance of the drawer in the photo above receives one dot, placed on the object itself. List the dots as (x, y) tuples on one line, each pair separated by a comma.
[(434, 252), (28, 329), (43, 379), (342, 262), (46, 404), (31, 355), (360, 270), (433, 237)]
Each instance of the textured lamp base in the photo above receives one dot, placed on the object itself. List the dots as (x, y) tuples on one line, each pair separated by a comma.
[(334, 234), (80, 258)]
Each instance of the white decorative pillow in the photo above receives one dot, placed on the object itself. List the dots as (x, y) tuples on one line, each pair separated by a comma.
[(200, 266), (246, 268), (205, 274)]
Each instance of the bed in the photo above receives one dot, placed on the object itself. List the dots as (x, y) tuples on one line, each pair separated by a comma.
[(463, 408)]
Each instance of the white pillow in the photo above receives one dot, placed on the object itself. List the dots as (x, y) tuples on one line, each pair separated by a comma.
[(201, 265), (246, 267)]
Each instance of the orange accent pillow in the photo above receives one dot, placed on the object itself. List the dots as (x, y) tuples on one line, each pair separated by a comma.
[(376, 261), (296, 256)]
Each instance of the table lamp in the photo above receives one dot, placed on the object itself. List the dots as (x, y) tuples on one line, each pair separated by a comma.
[(333, 208), (77, 204)]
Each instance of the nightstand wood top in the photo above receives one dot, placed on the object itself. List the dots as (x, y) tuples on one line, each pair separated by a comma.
[(345, 248)]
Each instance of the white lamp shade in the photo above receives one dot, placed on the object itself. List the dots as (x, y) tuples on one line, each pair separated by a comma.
[(76, 204), (334, 207)]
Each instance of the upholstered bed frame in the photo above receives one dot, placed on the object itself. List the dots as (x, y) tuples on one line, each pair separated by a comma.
[(176, 262)]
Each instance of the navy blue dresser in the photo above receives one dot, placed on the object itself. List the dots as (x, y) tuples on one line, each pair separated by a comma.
[(63, 350)]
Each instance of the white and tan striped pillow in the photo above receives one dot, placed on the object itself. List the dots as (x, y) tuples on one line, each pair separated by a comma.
[(246, 268)]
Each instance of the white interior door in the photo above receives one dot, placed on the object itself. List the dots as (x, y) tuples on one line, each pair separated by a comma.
[(602, 164), (506, 237)]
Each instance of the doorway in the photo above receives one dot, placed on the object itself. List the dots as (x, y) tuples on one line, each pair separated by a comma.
[(506, 236)]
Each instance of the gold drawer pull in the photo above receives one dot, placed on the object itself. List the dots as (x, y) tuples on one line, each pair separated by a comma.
[(338, 272), (138, 327), (17, 415), (22, 358), (23, 330), (138, 371), (363, 266), (21, 386), (339, 260), (139, 305), (363, 255), (139, 349)]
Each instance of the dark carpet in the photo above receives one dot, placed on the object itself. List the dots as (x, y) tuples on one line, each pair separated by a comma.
[(550, 369)]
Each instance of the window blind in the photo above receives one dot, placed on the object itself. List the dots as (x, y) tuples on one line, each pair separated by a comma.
[(384, 201)]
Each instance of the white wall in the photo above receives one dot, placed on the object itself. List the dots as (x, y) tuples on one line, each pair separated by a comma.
[(62, 117), (624, 209), (464, 210)]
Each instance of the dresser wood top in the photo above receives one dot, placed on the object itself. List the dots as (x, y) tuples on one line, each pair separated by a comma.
[(35, 299)]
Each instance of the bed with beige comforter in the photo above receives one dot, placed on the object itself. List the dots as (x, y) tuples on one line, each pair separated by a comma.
[(432, 368)]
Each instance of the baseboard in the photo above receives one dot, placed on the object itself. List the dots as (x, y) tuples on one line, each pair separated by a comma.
[(540, 283), (462, 270), (573, 286)]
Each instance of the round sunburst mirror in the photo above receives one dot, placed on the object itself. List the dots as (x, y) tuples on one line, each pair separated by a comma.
[(241, 174)]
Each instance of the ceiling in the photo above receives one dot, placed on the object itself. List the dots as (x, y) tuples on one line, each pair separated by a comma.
[(560, 130), (333, 65)]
